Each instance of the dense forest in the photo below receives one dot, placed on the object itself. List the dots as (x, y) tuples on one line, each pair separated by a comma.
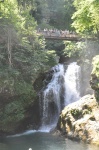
[(25, 55)]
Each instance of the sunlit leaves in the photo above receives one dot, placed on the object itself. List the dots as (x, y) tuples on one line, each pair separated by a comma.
[(20, 45), (86, 17), (73, 49), (96, 65), (9, 11)]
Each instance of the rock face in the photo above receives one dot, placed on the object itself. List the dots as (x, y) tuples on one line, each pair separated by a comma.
[(80, 120), (94, 82)]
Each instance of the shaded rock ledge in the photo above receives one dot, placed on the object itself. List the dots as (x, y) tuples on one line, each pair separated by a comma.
[(80, 120)]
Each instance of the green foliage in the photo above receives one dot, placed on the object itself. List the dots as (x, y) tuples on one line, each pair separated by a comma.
[(43, 25), (76, 113), (86, 19), (57, 45), (61, 12), (73, 49), (51, 58), (96, 66), (87, 108), (68, 12), (53, 13), (14, 112), (22, 57), (94, 82)]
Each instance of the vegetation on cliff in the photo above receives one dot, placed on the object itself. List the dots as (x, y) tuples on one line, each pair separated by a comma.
[(95, 77), (22, 57)]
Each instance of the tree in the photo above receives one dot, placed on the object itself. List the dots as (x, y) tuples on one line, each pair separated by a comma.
[(62, 12), (53, 13), (23, 57), (23, 54), (86, 19)]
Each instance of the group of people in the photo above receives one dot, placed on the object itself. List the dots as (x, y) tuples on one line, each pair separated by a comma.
[(56, 32)]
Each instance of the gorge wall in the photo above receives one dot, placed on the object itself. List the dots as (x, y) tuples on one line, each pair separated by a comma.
[(80, 120)]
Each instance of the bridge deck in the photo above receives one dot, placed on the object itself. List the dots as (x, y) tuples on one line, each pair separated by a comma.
[(54, 36), (68, 38)]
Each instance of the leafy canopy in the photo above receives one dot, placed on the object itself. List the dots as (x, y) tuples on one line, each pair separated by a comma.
[(86, 17), (22, 52)]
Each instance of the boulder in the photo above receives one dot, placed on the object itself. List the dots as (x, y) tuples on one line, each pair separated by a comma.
[(80, 120)]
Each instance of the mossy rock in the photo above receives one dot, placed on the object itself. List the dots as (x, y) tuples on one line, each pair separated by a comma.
[(14, 113), (94, 82), (80, 120)]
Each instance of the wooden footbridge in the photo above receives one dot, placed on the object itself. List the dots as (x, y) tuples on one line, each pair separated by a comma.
[(60, 35), (68, 38)]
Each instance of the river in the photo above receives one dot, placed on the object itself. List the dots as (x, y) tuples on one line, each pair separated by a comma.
[(42, 141)]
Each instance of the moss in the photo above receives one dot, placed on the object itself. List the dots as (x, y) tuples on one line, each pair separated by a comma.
[(96, 66), (13, 113), (86, 109), (76, 113), (94, 82)]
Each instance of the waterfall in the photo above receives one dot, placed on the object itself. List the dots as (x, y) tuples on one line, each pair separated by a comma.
[(72, 83), (52, 97), (62, 90)]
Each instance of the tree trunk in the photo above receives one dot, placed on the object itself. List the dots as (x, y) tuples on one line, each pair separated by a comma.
[(9, 48)]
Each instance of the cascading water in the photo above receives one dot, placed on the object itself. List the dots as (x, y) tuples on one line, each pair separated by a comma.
[(72, 83), (62, 90), (52, 97)]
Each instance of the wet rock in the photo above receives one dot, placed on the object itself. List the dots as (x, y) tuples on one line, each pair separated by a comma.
[(38, 84), (80, 120)]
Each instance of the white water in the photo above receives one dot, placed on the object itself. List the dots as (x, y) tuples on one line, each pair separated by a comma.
[(52, 97), (62, 90), (72, 83)]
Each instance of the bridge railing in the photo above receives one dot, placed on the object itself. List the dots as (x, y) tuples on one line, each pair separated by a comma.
[(57, 34)]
